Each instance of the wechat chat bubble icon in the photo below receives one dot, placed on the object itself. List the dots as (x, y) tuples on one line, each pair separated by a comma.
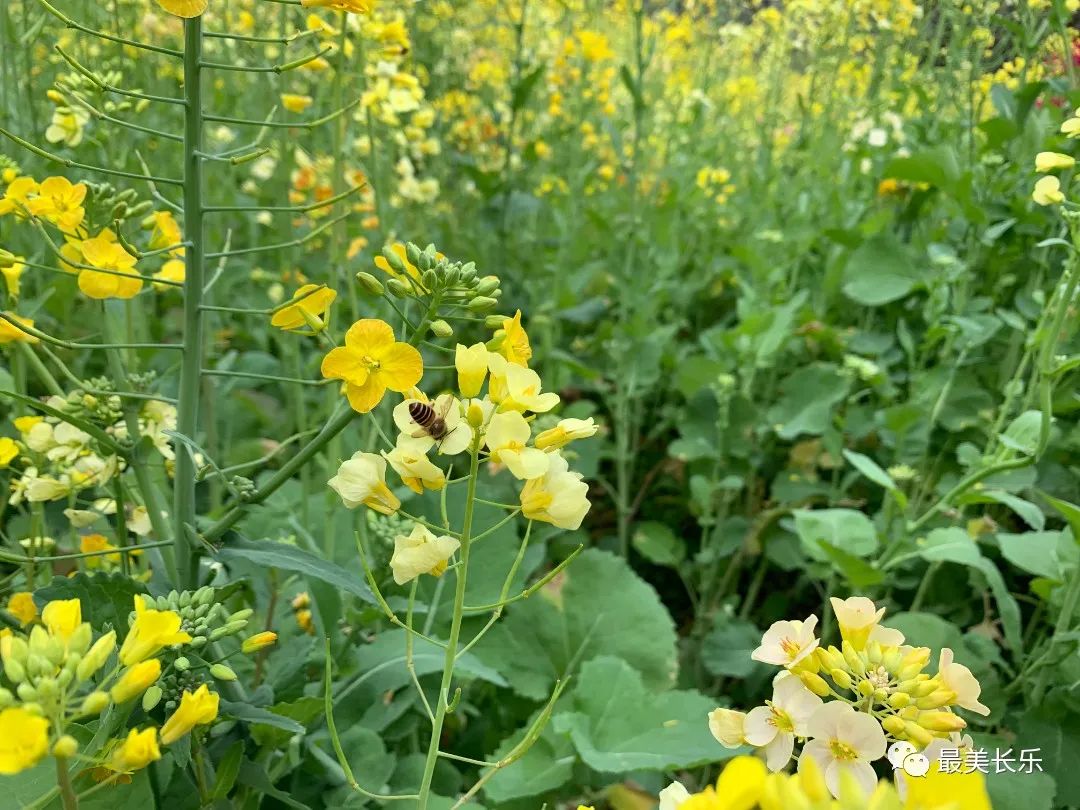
[(916, 765), (898, 751)]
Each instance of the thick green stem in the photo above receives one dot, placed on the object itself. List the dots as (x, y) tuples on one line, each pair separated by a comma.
[(194, 281), (461, 572), (63, 780)]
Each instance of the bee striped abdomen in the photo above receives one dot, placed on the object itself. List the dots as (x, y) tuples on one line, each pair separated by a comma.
[(430, 422)]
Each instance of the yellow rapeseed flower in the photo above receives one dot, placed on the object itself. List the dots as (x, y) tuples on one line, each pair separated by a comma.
[(151, 631), (97, 542), (1053, 161), (514, 345), (9, 451), (195, 709), (60, 202), (372, 361), (62, 617), (136, 752), (349, 6), (136, 679), (10, 333), (111, 256), (17, 196), (312, 302), (172, 270), (295, 103), (24, 741), (21, 606), (184, 8), (1047, 191)]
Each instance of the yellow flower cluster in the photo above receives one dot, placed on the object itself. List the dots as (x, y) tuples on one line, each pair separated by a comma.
[(874, 688), (745, 783), (1047, 189)]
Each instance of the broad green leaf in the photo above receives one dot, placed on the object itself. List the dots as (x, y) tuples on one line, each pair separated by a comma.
[(597, 606), (284, 721), (269, 554), (1015, 790), (807, 399), (618, 725), (1022, 434), (256, 714), (1031, 514), (878, 272), (868, 467), (1044, 554), (1055, 731), (845, 529), (858, 572), (382, 663), (725, 651), (546, 766), (927, 630), (657, 543), (1069, 511), (954, 545), (107, 598)]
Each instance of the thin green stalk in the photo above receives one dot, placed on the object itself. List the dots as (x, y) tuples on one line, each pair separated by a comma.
[(461, 573), (194, 259)]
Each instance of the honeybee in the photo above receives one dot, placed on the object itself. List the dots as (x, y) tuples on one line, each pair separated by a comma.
[(431, 422)]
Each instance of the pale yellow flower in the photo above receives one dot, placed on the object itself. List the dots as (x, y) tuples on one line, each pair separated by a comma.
[(421, 553)]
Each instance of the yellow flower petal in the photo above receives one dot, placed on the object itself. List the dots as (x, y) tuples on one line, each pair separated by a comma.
[(400, 366), (364, 398), (184, 8)]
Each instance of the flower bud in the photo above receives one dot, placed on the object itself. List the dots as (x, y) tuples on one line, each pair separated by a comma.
[(370, 284), (482, 303), (941, 721), (258, 642), (474, 415), (97, 656), (66, 747), (442, 329), (840, 678), (854, 660), (925, 688), (136, 679), (222, 672), (397, 287), (873, 652), (917, 734), (494, 321), (899, 700), (893, 724), (95, 703), (15, 671), (936, 699), (913, 663), (865, 688), (891, 659), (6, 698), (26, 693), (815, 683), (182, 664), (488, 285), (151, 697), (412, 253), (7, 258), (429, 279)]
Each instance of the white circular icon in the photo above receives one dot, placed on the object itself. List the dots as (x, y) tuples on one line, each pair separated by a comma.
[(898, 751), (916, 765)]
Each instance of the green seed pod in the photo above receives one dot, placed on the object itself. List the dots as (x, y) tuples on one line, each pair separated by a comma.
[(151, 697), (441, 328), (370, 284), (482, 303), (222, 672)]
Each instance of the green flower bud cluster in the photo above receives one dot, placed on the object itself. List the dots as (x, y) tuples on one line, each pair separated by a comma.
[(105, 201), (103, 409), (384, 528), (8, 164), (426, 271), (202, 617)]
